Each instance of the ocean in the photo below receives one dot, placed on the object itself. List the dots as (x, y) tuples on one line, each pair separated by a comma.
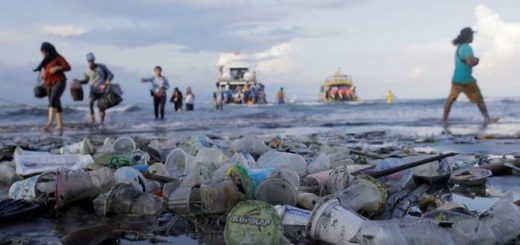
[(407, 117)]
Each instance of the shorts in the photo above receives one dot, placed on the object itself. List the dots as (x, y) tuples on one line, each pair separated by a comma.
[(471, 90)]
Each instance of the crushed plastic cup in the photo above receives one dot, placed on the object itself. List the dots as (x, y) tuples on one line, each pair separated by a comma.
[(125, 199), (213, 158), (339, 179), (218, 196), (249, 144), (179, 163), (320, 163), (364, 195), (124, 144), (79, 185), (140, 157), (245, 159), (8, 173), (131, 176), (280, 160), (83, 147), (158, 169), (36, 188)]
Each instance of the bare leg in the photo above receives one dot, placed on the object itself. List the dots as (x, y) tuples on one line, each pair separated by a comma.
[(50, 121), (483, 109), (102, 116), (91, 107), (59, 119), (447, 108)]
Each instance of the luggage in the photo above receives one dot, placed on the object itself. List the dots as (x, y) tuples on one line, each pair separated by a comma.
[(76, 91), (109, 100), (40, 91)]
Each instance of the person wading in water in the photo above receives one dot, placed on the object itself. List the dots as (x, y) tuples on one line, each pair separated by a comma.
[(463, 80)]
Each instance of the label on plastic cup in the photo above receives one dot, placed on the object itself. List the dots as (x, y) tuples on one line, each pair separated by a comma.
[(295, 216), (253, 222)]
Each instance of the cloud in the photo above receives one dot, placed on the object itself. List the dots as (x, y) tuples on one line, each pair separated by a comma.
[(205, 25), (419, 73), (500, 38), (274, 60), (10, 37), (63, 30)]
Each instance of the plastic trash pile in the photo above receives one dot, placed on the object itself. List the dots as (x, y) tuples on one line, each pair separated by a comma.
[(272, 191)]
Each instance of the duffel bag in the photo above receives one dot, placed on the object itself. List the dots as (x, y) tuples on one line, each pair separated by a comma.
[(109, 100)]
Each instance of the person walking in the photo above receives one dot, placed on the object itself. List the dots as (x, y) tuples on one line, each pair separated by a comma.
[(177, 99), (462, 80), (54, 67), (189, 100), (281, 96), (159, 86), (99, 77), (218, 98)]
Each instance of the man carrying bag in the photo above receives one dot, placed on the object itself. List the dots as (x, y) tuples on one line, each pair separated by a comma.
[(99, 77)]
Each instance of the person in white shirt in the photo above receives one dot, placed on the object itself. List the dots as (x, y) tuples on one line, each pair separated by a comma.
[(189, 99), (159, 86)]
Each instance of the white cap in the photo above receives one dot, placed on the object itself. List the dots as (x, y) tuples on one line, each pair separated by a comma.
[(91, 57)]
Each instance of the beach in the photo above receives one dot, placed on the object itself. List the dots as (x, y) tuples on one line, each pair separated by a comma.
[(407, 127)]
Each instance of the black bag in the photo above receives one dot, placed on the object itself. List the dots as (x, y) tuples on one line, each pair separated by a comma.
[(40, 91), (109, 100)]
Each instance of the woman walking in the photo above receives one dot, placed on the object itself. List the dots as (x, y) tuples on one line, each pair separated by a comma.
[(177, 99), (54, 67), (463, 80), (159, 86), (190, 100)]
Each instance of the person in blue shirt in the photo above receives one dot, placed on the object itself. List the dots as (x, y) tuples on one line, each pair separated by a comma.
[(462, 80)]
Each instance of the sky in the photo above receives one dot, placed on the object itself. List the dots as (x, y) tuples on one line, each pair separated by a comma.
[(402, 45)]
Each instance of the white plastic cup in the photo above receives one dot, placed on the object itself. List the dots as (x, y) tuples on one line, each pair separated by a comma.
[(334, 224)]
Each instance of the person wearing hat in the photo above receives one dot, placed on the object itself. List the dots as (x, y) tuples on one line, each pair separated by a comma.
[(54, 67), (462, 80), (99, 77)]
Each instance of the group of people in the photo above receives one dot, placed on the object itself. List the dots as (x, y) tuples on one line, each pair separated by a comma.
[(53, 67), (159, 85), (52, 71), (247, 94)]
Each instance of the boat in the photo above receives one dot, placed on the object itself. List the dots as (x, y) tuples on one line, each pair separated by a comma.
[(238, 81), (338, 87)]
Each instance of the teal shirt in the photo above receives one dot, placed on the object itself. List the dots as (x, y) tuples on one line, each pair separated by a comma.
[(462, 73)]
